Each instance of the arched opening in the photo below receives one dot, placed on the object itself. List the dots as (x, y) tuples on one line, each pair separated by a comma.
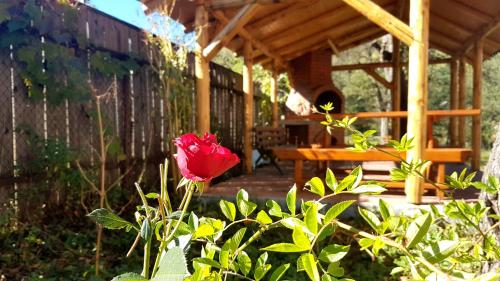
[(326, 97)]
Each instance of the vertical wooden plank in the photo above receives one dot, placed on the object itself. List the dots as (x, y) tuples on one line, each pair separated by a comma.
[(202, 73), (476, 104), (462, 89), (249, 107), (417, 92), (454, 68), (396, 87), (274, 99)]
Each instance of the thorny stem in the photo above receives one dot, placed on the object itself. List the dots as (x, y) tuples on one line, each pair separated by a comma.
[(102, 180), (184, 205)]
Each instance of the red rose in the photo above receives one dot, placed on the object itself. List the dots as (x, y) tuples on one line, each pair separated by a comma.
[(201, 159)]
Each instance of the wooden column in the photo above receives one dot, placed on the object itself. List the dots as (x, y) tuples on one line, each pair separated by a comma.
[(454, 69), (249, 107), (202, 73), (274, 99), (417, 92), (476, 104), (396, 87), (462, 89)]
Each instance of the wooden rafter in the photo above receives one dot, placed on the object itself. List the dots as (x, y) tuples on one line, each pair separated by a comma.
[(278, 15), (302, 43), (374, 65), (224, 4), (334, 48), (309, 25), (374, 74), (230, 29), (384, 19), (483, 32), (219, 15)]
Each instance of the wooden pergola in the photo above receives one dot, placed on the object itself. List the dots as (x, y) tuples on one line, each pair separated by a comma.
[(274, 32)]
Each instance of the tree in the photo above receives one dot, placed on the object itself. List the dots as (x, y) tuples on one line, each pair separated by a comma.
[(492, 200)]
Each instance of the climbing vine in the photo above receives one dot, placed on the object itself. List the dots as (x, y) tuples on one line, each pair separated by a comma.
[(53, 56)]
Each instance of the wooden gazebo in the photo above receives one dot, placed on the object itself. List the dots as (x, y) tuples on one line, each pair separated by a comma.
[(274, 32)]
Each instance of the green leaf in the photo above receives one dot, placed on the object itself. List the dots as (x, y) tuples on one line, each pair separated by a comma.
[(274, 208), (279, 272), (300, 239), (365, 243), (108, 219), (173, 266), (368, 189), (130, 276), (261, 271), (327, 231), (311, 218), (263, 218), (439, 251), (228, 209), (330, 180), (245, 207), (333, 253), (284, 248), (308, 263), (370, 218), (203, 230), (335, 269), (152, 195), (245, 263), (351, 181), (145, 229), (291, 223), (224, 258), (336, 210), (417, 230), (208, 261), (316, 185), (193, 221), (291, 199), (385, 210), (235, 241)]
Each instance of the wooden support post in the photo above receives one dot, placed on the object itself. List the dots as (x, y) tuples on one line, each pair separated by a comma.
[(454, 69), (462, 89), (396, 86), (249, 107), (476, 104), (202, 73), (417, 92), (299, 165), (274, 99)]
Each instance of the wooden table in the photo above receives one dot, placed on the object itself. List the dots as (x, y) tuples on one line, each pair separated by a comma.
[(438, 156)]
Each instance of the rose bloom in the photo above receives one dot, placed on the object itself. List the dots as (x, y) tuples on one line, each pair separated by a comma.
[(202, 159)]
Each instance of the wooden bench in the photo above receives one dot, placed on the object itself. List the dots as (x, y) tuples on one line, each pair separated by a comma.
[(438, 156)]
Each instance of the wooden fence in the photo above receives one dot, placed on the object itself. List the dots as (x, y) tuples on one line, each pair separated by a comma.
[(136, 108)]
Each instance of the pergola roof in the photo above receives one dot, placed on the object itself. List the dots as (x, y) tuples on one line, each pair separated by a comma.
[(286, 29)]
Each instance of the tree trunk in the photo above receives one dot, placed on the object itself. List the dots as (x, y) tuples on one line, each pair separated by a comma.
[(492, 201)]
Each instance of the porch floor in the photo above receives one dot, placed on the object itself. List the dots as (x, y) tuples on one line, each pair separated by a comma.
[(266, 183)]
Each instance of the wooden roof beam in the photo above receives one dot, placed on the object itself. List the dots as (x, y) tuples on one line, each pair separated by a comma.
[(277, 15), (374, 74), (384, 19), (334, 48), (356, 23), (374, 65), (224, 4), (479, 35), (230, 29), (219, 15)]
